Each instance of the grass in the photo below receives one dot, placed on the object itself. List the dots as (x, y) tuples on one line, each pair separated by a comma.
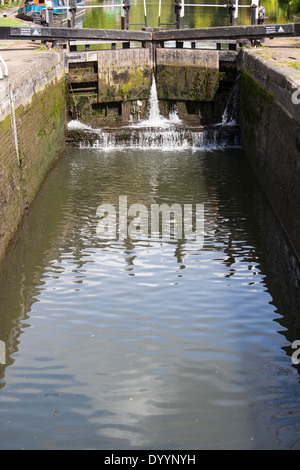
[(295, 65), (267, 54), (9, 5), (10, 22)]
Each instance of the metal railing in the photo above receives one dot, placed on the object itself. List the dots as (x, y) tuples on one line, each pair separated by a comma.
[(71, 9), (257, 12)]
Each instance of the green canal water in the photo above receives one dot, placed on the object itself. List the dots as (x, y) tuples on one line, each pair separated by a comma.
[(195, 16), (150, 342)]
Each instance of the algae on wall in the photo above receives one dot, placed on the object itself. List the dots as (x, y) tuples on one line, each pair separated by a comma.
[(107, 88), (125, 76), (124, 84), (41, 134), (255, 109), (11, 190), (187, 75), (41, 141)]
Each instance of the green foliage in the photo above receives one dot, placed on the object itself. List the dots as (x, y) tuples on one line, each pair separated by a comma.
[(296, 6), (9, 4), (10, 22), (290, 6)]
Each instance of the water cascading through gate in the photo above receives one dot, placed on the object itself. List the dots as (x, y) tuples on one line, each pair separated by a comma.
[(158, 132)]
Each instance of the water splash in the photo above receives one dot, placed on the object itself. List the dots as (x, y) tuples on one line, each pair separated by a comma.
[(174, 118), (230, 115), (211, 138), (158, 132), (77, 125), (155, 119)]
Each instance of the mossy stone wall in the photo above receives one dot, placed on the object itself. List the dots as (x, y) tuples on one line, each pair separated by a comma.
[(270, 128), (40, 127), (125, 75), (187, 75), (105, 86)]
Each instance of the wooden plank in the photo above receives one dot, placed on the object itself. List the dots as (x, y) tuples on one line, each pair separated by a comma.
[(224, 32), (4, 32), (80, 42), (297, 29), (73, 33)]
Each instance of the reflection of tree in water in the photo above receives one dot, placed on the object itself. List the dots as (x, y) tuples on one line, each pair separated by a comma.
[(102, 18), (195, 17)]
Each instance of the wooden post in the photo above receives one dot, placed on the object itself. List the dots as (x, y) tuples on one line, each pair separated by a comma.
[(125, 21), (233, 12), (254, 12), (145, 13), (179, 11), (159, 13), (72, 4), (147, 44), (49, 13), (50, 18), (125, 10), (236, 13), (68, 15)]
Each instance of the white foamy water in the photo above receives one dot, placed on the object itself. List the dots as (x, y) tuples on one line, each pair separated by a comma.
[(77, 125), (158, 132), (230, 115), (148, 139), (155, 119), (214, 138)]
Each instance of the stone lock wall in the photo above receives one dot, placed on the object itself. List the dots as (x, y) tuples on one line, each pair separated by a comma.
[(270, 127), (105, 86), (124, 75), (187, 75), (35, 100)]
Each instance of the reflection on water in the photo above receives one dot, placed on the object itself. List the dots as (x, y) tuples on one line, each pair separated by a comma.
[(161, 344), (195, 17)]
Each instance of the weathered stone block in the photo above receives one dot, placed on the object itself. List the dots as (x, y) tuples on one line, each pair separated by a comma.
[(124, 75), (189, 75)]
